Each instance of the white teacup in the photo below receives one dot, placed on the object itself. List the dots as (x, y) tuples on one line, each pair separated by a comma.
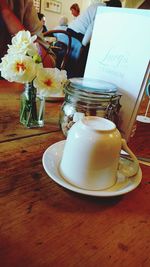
[(91, 154)]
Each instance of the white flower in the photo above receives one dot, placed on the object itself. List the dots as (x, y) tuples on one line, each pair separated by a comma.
[(21, 64), (4, 66), (50, 81), (61, 75), (23, 43), (18, 68)]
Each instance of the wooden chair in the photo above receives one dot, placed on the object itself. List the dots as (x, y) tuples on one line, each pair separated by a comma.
[(61, 47), (70, 53)]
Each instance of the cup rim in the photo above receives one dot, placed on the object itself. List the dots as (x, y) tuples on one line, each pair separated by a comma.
[(97, 123)]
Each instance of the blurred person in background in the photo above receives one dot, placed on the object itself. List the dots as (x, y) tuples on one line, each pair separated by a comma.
[(17, 15), (41, 17), (82, 27), (75, 10), (63, 24)]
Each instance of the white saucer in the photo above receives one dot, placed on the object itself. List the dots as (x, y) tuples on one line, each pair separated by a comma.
[(143, 119), (51, 159)]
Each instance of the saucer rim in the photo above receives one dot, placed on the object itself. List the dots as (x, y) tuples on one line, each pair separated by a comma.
[(143, 119), (133, 181)]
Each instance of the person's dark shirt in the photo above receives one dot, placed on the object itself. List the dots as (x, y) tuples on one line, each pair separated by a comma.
[(113, 3), (44, 29)]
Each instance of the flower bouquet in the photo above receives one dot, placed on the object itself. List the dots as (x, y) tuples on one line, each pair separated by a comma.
[(23, 64)]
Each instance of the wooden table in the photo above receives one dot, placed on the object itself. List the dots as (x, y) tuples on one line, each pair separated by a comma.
[(44, 225)]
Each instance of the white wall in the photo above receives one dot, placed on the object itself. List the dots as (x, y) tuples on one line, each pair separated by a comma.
[(132, 3)]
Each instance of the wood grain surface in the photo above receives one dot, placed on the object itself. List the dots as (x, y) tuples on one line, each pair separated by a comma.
[(44, 225)]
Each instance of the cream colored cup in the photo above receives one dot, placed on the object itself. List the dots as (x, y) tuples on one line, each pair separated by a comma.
[(91, 154)]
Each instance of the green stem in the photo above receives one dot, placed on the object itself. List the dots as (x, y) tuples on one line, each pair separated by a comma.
[(29, 114)]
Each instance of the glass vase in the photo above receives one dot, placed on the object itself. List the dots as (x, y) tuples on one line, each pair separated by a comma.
[(32, 107)]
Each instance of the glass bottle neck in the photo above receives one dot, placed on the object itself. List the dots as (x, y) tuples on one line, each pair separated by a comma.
[(28, 87)]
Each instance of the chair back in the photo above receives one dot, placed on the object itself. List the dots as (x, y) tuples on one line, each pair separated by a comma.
[(61, 47), (70, 54)]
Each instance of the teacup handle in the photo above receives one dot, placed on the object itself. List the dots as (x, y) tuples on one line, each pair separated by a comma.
[(131, 170)]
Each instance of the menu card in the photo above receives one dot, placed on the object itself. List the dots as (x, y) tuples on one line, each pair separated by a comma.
[(120, 53)]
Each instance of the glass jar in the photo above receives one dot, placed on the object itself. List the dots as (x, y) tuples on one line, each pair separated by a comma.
[(32, 107), (88, 97)]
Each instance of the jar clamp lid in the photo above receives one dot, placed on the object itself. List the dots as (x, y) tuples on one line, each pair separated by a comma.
[(93, 85)]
